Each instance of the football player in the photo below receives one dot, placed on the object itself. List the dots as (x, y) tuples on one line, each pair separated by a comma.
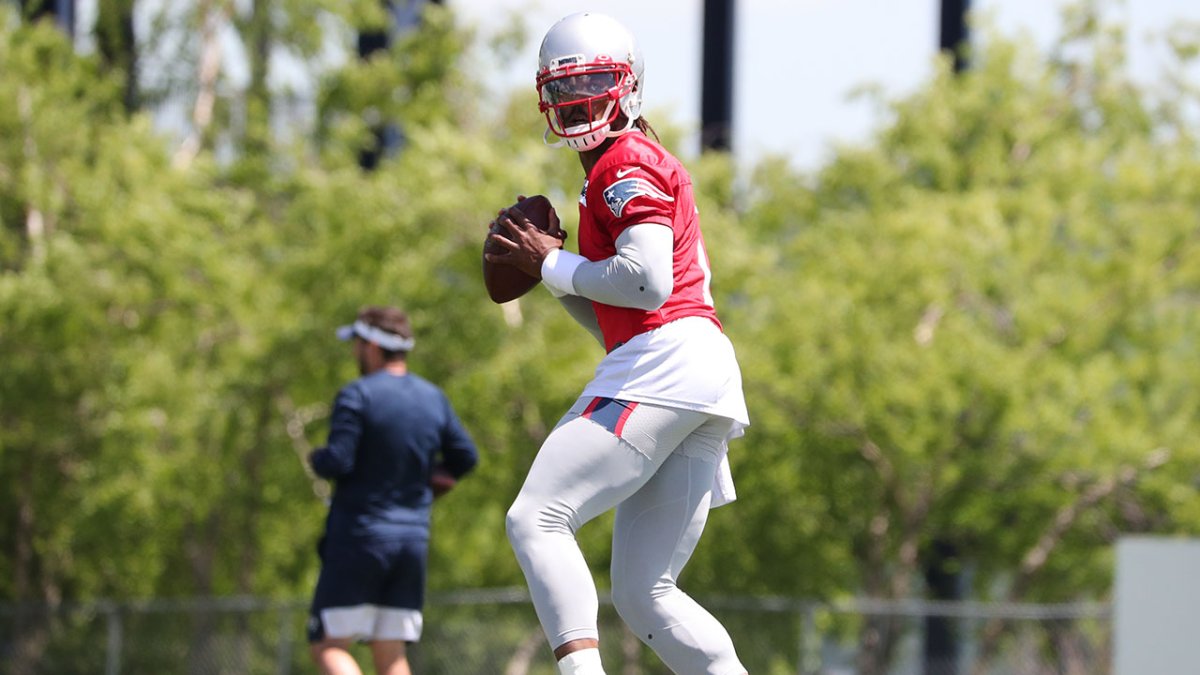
[(648, 434)]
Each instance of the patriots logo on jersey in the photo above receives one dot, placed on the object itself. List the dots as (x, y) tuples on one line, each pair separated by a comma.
[(623, 191)]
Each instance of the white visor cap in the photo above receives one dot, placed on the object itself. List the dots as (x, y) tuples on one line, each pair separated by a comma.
[(386, 340)]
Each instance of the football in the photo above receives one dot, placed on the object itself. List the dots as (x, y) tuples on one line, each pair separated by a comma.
[(504, 282)]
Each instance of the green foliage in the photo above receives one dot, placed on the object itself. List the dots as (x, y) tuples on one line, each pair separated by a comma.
[(979, 327), (981, 305)]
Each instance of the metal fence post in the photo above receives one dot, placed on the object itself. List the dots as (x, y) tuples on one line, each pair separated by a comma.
[(808, 660), (285, 641), (112, 657)]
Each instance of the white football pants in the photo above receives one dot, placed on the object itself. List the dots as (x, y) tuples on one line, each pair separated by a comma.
[(656, 466)]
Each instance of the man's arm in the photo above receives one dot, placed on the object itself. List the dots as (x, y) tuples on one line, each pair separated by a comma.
[(580, 309), (640, 275), (459, 454), (345, 428)]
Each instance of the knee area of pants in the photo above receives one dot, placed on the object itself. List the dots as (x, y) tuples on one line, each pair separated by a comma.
[(523, 523), (526, 520), (517, 524)]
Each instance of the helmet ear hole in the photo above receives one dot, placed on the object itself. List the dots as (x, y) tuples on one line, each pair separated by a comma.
[(631, 105)]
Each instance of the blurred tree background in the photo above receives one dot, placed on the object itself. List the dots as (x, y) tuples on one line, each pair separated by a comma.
[(971, 340)]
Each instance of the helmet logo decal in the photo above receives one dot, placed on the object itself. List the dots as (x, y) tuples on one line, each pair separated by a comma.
[(620, 193), (565, 61)]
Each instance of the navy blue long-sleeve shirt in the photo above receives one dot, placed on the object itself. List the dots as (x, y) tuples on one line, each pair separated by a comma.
[(386, 434)]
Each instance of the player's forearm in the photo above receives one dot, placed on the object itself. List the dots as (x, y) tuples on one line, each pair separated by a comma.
[(338, 456), (459, 454), (638, 276), (459, 461), (328, 463), (621, 282)]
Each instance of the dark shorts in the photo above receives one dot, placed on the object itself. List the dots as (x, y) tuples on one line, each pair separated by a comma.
[(369, 589)]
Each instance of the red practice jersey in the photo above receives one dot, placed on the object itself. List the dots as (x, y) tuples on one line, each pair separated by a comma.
[(637, 181)]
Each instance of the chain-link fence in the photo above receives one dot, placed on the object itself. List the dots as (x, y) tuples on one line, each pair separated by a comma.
[(495, 632)]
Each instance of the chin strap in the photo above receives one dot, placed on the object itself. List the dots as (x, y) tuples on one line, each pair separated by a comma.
[(587, 141)]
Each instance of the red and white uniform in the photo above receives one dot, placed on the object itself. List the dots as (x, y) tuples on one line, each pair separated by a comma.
[(677, 355), (649, 434), (637, 181)]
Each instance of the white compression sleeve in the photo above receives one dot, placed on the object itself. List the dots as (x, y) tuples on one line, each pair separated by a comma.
[(557, 269), (640, 275)]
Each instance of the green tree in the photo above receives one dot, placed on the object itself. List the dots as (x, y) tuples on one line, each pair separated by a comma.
[(979, 328)]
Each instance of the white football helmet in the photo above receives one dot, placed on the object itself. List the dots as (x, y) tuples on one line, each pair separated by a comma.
[(589, 70)]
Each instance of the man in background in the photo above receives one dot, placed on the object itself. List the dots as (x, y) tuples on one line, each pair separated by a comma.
[(395, 443)]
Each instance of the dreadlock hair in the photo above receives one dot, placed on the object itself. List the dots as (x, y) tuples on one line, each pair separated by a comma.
[(645, 128)]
